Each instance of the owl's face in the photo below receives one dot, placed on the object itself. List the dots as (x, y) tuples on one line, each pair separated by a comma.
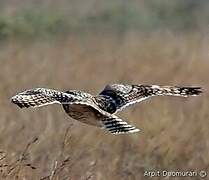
[(118, 89)]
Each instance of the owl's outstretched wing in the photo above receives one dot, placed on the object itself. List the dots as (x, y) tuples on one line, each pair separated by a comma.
[(41, 96), (125, 95)]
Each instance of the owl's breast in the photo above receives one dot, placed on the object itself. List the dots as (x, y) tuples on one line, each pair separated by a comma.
[(83, 113)]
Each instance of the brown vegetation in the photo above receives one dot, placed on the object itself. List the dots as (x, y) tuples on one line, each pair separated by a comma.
[(70, 44), (174, 131)]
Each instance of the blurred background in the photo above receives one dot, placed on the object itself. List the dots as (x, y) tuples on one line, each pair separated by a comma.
[(74, 44)]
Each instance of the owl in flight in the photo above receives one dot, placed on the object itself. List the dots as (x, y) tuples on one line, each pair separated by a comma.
[(100, 110)]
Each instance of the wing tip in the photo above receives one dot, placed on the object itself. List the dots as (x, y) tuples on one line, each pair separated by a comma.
[(18, 103), (197, 91), (192, 91), (14, 100)]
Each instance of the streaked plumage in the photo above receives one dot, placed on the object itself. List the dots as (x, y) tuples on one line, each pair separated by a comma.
[(100, 110)]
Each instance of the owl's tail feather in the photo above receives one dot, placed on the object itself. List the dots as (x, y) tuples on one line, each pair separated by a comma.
[(177, 91), (116, 125)]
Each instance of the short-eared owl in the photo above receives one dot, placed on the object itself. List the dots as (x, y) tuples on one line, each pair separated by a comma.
[(100, 110)]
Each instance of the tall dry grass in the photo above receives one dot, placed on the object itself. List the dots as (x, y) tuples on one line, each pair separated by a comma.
[(174, 131)]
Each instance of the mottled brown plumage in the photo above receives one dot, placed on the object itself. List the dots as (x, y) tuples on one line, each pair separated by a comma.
[(100, 110)]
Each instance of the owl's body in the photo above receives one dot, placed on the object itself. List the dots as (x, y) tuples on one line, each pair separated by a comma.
[(82, 113), (100, 110)]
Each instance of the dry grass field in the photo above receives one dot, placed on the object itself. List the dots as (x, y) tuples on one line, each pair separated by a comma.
[(174, 132), (45, 143)]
